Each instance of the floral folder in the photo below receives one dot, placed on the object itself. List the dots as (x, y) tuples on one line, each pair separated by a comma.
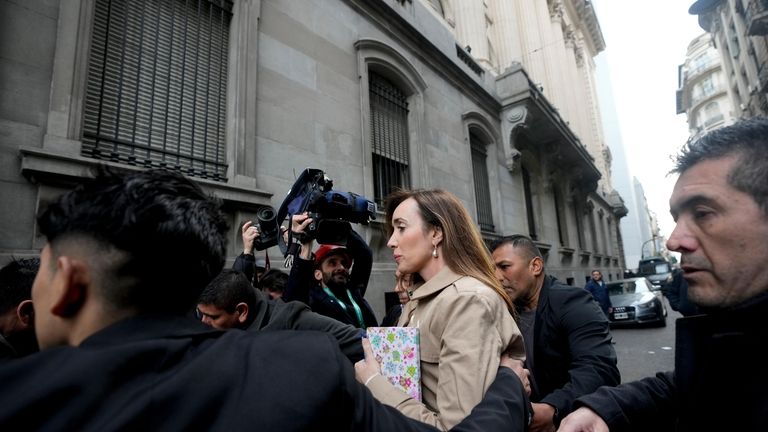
[(397, 351)]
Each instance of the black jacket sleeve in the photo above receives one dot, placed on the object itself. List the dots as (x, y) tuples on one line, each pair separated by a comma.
[(592, 358), (648, 404), (363, 256), (246, 264), (300, 317), (300, 281)]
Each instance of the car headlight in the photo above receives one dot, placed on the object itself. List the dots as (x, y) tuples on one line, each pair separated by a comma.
[(646, 305)]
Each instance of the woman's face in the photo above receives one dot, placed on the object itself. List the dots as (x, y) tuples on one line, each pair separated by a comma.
[(411, 243)]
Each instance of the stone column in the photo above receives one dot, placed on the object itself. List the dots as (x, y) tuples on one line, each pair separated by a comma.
[(530, 40), (471, 28), (505, 33)]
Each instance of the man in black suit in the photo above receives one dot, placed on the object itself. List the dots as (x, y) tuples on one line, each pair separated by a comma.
[(720, 207), (567, 337), (119, 352)]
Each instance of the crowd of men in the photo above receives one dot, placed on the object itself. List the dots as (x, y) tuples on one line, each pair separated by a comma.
[(122, 345)]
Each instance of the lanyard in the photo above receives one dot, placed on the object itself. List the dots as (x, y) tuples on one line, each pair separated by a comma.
[(358, 312)]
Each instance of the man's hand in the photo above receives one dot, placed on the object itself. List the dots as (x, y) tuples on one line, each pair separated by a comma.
[(519, 370), (249, 232), (543, 415), (583, 420), (368, 367), (299, 223)]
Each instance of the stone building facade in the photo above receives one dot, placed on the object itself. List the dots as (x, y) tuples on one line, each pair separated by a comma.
[(242, 95), (704, 94), (739, 29)]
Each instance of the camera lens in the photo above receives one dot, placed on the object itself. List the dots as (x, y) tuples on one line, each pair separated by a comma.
[(265, 214)]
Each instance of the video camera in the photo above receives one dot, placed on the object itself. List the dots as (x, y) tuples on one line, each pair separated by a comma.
[(331, 212)]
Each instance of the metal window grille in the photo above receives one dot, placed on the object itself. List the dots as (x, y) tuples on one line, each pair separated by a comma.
[(561, 232), (579, 225), (593, 232), (389, 133), (157, 78), (482, 187), (529, 205)]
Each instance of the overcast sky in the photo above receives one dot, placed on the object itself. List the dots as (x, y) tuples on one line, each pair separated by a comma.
[(645, 43)]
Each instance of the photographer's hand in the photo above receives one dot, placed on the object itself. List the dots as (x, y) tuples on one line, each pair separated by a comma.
[(249, 232), (299, 223)]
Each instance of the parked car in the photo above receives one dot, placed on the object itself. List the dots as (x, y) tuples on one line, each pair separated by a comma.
[(657, 270), (636, 302)]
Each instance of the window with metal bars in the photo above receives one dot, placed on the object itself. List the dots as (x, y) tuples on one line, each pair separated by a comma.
[(530, 214), (156, 90), (562, 228), (482, 186), (389, 135)]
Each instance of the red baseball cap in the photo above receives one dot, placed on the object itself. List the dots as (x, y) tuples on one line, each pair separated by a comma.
[(326, 250)]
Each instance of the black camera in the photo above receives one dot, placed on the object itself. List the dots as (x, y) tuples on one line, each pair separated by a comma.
[(266, 221), (332, 212)]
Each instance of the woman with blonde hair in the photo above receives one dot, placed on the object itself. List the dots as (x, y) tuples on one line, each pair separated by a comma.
[(464, 316)]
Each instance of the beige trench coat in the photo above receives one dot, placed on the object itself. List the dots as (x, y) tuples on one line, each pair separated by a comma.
[(464, 327)]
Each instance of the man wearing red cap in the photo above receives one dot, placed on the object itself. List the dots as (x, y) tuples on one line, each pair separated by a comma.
[(326, 283)]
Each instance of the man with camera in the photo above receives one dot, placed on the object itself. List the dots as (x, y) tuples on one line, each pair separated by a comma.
[(246, 262), (325, 281)]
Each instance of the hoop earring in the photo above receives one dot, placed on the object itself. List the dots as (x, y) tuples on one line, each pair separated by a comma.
[(434, 252)]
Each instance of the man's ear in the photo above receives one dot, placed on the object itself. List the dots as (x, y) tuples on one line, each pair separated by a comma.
[(536, 266), (242, 310), (25, 313), (71, 286), (318, 275)]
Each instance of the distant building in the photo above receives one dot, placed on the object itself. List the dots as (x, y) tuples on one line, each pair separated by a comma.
[(739, 29), (492, 100), (704, 94)]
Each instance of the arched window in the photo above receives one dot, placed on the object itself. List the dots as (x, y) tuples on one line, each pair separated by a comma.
[(389, 136), (482, 186)]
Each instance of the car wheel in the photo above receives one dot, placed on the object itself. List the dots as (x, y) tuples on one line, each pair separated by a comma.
[(663, 321)]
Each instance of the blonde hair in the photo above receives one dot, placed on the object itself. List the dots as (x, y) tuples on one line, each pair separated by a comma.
[(462, 247)]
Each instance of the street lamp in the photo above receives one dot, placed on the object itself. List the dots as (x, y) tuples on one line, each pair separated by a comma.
[(655, 247)]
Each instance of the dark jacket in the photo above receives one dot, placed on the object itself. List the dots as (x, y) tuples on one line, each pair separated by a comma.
[(573, 352), (600, 292), (246, 264), (719, 383), (676, 291), (176, 375), (303, 287), (278, 315)]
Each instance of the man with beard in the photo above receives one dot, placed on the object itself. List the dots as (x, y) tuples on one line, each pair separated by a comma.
[(17, 329), (326, 283), (567, 337), (720, 206)]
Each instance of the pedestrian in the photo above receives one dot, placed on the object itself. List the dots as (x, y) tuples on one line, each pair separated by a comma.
[(567, 337), (464, 317), (596, 287), (326, 280), (720, 206)]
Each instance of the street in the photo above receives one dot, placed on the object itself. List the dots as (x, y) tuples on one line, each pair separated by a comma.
[(643, 351)]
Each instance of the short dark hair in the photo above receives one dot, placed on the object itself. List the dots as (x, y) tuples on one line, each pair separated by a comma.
[(228, 289), (746, 139), (16, 279), (273, 280), (524, 245), (156, 236)]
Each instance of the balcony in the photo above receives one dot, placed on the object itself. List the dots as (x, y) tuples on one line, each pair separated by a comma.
[(757, 18)]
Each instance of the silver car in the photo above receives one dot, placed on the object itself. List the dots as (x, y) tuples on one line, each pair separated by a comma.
[(636, 302)]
